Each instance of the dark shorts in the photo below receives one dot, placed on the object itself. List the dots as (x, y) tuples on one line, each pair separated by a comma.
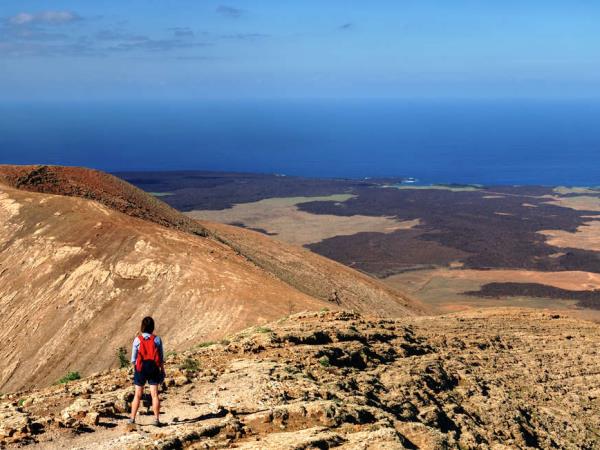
[(150, 374)]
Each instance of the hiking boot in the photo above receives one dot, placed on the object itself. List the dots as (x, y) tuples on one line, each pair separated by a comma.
[(157, 423), (130, 421)]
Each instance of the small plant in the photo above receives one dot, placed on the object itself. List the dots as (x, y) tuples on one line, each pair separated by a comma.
[(225, 342), (291, 370), (324, 310), (71, 376), (122, 357), (20, 402), (190, 364), (263, 330), (206, 344), (171, 353), (324, 361)]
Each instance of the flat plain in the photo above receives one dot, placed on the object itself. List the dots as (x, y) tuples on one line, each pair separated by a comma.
[(449, 245)]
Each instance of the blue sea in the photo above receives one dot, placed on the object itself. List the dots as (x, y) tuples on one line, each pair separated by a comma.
[(435, 141)]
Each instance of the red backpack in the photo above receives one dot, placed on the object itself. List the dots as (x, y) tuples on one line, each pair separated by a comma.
[(147, 352)]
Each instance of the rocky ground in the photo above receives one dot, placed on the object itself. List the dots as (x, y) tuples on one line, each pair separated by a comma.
[(501, 379)]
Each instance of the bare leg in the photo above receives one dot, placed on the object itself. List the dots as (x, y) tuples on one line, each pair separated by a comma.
[(139, 390), (155, 400)]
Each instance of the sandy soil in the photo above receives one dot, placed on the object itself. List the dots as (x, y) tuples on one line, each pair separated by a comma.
[(281, 218), (587, 237), (443, 289), (436, 187), (564, 190), (579, 203), (573, 280)]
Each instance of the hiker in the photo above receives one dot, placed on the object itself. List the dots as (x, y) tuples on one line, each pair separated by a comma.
[(148, 361)]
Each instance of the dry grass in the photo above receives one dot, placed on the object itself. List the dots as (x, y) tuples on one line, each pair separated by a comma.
[(282, 218), (586, 237), (579, 203)]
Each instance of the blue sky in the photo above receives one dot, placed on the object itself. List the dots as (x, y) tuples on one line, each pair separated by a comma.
[(146, 49)]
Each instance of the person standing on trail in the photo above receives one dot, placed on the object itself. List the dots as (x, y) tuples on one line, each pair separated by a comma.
[(147, 358)]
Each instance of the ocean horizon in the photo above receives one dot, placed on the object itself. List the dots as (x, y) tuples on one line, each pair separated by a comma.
[(543, 142)]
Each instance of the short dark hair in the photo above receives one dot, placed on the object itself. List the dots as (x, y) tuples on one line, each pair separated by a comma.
[(147, 325)]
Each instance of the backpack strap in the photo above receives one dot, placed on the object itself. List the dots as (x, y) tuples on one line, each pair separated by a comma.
[(139, 358), (141, 339)]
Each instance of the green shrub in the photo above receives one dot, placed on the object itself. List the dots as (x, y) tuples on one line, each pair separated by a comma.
[(324, 361), (263, 330), (206, 344), (190, 364), (71, 376), (122, 357)]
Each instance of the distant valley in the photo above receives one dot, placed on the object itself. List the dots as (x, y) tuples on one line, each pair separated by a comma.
[(453, 246)]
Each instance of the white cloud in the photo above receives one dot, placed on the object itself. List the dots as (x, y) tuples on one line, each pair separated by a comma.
[(44, 17), (230, 11), (21, 19)]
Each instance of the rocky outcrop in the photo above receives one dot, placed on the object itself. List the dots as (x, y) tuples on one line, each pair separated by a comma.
[(485, 379)]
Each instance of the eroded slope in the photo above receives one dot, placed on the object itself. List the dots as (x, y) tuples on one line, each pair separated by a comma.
[(304, 271), (315, 275), (76, 277)]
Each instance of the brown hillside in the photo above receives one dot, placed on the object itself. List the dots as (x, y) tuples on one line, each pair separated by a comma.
[(76, 277), (78, 274), (99, 186), (316, 275), (303, 270)]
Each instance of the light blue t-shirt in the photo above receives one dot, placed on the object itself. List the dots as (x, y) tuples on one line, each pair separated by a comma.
[(136, 346)]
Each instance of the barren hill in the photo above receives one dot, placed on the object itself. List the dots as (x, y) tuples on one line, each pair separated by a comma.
[(306, 271), (79, 269), (490, 379), (99, 186)]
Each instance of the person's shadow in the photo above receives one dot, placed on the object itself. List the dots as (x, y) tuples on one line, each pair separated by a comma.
[(220, 413), (147, 403)]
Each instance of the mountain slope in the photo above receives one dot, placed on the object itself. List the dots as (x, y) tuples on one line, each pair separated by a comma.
[(78, 270), (303, 270), (316, 275), (99, 186), (76, 278)]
